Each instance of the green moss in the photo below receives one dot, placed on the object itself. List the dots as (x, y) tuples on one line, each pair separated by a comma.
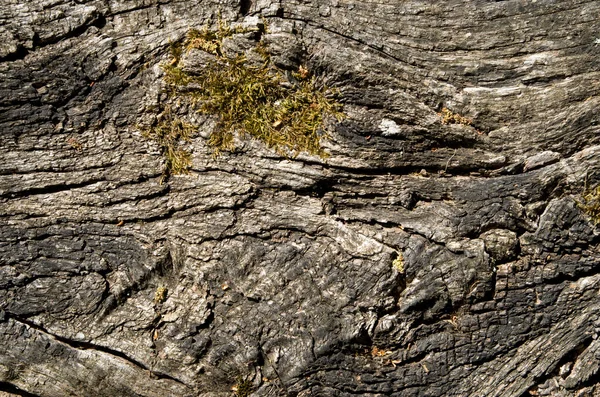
[(174, 76), (252, 100), (243, 387), (591, 203), (169, 133), (210, 40), (249, 99), (176, 50), (204, 40)]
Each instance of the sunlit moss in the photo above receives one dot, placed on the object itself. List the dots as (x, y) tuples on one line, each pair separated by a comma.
[(160, 295), (169, 133), (398, 263), (250, 99), (210, 40), (242, 388), (449, 117), (591, 203)]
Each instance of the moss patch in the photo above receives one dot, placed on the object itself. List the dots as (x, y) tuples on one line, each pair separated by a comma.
[(169, 133), (243, 387), (160, 295), (398, 263), (210, 40), (591, 204), (449, 117), (260, 101)]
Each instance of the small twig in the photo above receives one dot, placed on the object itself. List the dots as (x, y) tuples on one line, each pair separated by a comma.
[(448, 162)]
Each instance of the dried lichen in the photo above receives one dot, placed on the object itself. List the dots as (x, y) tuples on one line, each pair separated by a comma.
[(75, 144), (377, 352), (252, 100)]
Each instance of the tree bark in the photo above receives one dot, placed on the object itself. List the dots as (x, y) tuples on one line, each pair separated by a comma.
[(421, 258)]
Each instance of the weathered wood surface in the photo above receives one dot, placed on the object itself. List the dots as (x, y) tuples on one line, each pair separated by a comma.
[(280, 270)]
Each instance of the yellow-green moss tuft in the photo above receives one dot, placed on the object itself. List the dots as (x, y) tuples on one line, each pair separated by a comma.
[(250, 99), (449, 117), (243, 387), (160, 295), (211, 40), (398, 263), (169, 133), (591, 204)]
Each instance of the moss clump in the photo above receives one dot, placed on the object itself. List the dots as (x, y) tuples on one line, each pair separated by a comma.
[(169, 133), (243, 387), (160, 295), (210, 40), (591, 204), (449, 117), (398, 263), (250, 99)]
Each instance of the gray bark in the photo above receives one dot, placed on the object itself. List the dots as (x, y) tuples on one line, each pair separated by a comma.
[(279, 271)]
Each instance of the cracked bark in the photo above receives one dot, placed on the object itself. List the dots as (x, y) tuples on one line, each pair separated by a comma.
[(280, 270)]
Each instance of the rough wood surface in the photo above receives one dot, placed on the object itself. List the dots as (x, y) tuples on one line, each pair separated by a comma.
[(280, 271)]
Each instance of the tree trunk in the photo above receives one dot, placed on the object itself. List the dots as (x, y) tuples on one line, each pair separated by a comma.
[(440, 249)]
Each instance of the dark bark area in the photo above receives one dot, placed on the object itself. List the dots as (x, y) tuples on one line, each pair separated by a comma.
[(280, 271)]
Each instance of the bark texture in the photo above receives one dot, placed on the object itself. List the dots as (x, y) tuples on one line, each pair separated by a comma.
[(279, 272)]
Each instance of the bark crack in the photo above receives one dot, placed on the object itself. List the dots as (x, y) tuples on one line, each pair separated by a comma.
[(80, 345)]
